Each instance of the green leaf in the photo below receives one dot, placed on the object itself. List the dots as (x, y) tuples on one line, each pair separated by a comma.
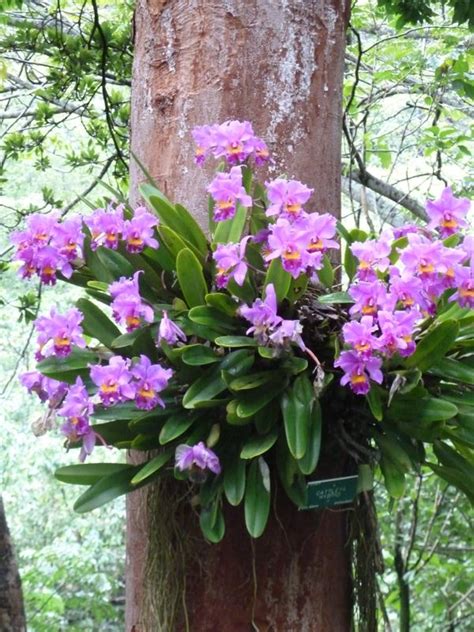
[(375, 402), (251, 402), (211, 521), (96, 324), (254, 380), (199, 355), (393, 450), (415, 409), (191, 229), (222, 302), (350, 262), (67, 369), (175, 217), (87, 473), (453, 477), (151, 467), (307, 464), (106, 489), (297, 288), (434, 345), (296, 405), (191, 278), (453, 459), (204, 388), (236, 341), (257, 498), (234, 481), (326, 273), (173, 242), (258, 445), (175, 426), (116, 264), (394, 478), (453, 370), (230, 230), (290, 475), (212, 317), (280, 278), (336, 297)]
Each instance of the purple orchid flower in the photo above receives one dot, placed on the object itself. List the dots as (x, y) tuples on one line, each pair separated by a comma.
[(287, 197), (151, 379), (230, 263), (373, 255), (77, 407), (406, 290), (114, 381), (448, 213), (319, 230), (262, 314), (127, 306), (289, 243), (205, 138), (359, 370), (46, 388), (234, 141), (398, 329), (48, 261), (106, 227), (465, 287), (369, 296), (360, 335), (58, 332), (260, 152), (138, 231), (197, 456), (68, 238), (288, 331), (226, 190), (169, 331), (423, 258)]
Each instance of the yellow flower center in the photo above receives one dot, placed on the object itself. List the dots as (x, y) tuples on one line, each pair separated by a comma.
[(364, 265), (358, 379), (225, 205), (235, 148), (291, 255), (135, 241), (466, 292), (109, 388), (62, 341), (147, 393), (426, 268), (368, 310), (292, 207), (315, 245), (449, 223), (362, 347), (132, 321), (48, 270)]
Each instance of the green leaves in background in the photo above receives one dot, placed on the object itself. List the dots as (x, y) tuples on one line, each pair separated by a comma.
[(257, 497), (191, 278)]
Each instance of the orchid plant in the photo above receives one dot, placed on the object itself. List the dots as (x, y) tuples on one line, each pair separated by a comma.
[(230, 359)]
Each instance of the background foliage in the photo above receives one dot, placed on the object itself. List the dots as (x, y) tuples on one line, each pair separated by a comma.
[(65, 73)]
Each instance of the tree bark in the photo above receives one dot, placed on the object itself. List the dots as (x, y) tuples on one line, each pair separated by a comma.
[(12, 614), (279, 64)]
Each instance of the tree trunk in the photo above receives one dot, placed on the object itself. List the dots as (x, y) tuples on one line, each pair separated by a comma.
[(278, 64), (12, 614)]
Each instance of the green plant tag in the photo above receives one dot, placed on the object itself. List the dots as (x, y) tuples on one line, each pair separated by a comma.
[(331, 492)]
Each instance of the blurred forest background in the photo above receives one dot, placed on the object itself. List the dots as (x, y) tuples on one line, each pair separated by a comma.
[(65, 75)]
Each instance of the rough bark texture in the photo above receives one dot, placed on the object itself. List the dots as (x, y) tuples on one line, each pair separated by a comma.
[(12, 614), (279, 64)]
